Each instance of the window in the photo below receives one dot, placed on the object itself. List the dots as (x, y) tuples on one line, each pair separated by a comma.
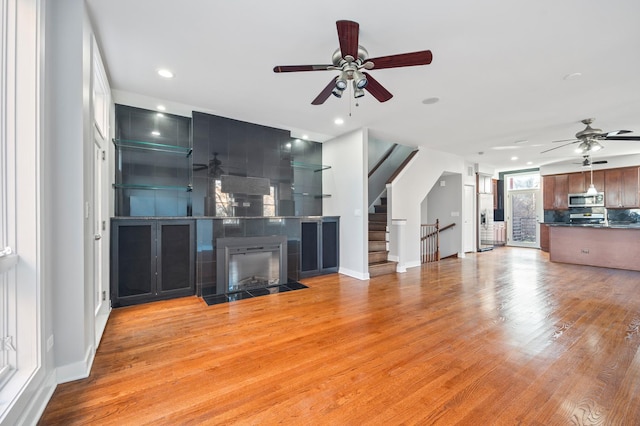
[(269, 202), (523, 181), (20, 128)]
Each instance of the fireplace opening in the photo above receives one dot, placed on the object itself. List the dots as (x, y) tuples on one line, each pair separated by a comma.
[(251, 262)]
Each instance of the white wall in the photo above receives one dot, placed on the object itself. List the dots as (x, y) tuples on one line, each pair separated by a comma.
[(445, 204), (346, 181), (70, 186), (409, 189)]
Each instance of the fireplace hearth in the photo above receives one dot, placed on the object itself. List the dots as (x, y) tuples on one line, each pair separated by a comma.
[(246, 263)]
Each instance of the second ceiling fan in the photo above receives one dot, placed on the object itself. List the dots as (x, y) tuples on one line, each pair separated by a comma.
[(590, 138), (351, 60)]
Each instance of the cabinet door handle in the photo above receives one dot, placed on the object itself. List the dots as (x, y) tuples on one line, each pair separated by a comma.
[(97, 236)]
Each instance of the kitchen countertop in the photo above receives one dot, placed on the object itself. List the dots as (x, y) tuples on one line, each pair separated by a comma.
[(594, 225)]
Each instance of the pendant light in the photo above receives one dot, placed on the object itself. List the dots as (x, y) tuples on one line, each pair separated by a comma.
[(592, 189)]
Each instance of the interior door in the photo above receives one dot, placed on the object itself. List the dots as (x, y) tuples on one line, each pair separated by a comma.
[(522, 218), (469, 219)]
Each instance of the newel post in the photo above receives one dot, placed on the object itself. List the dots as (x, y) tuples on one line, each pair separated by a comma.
[(398, 227)]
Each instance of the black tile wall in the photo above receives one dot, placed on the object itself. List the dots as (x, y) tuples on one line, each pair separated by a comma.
[(251, 150)]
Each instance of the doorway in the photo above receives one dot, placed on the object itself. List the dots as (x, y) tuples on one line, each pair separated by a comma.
[(523, 210)]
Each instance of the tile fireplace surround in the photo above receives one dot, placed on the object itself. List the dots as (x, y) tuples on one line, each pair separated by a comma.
[(210, 229)]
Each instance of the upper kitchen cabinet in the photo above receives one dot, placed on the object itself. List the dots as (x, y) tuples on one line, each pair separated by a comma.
[(622, 187), (485, 184), (153, 163), (555, 189), (579, 182)]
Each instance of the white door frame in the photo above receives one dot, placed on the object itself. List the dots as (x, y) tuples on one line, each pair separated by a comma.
[(508, 213)]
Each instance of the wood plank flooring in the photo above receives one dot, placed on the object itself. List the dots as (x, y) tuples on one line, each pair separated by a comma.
[(497, 338)]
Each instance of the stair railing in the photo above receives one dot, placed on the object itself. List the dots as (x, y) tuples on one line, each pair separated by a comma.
[(430, 241)]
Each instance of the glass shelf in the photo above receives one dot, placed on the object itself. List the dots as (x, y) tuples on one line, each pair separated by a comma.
[(187, 188), (314, 167), (152, 146)]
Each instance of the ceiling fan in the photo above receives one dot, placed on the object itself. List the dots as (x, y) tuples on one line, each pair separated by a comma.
[(587, 162), (590, 138), (351, 59)]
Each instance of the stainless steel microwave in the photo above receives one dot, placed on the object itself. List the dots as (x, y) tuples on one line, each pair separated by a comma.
[(586, 200)]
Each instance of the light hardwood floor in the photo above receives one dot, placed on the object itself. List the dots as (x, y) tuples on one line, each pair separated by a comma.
[(497, 338)]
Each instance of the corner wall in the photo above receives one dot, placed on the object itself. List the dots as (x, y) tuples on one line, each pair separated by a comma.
[(410, 188), (346, 181), (70, 187)]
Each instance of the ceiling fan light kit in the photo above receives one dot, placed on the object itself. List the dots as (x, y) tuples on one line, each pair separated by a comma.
[(351, 60)]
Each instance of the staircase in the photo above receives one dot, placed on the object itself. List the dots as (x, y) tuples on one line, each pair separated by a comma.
[(378, 263)]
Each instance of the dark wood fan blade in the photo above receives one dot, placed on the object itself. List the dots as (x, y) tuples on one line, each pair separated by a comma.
[(376, 89), (556, 147), (599, 162), (622, 138), (423, 57), (296, 68), (348, 38), (326, 92), (617, 132)]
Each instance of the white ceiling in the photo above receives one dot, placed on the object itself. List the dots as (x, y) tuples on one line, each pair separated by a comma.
[(498, 68)]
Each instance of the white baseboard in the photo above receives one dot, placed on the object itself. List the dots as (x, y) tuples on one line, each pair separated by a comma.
[(101, 324), (77, 370), (413, 264), (354, 274)]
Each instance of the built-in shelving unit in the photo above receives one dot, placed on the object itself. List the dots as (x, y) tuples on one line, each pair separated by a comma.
[(154, 171)]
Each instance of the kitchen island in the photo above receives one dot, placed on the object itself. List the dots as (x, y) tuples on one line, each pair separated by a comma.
[(608, 246)]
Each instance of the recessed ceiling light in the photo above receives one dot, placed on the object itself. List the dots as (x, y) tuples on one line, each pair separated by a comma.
[(430, 101), (305, 137), (161, 108), (159, 114), (572, 76), (338, 121), (165, 73), (298, 141), (529, 163), (155, 133), (288, 145), (514, 158)]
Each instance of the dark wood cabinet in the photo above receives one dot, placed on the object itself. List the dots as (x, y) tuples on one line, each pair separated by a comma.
[(544, 237), (580, 182), (319, 246), (554, 192), (622, 187), (151, 259)]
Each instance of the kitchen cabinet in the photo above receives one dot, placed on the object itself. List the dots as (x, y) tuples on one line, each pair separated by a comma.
[(151, 260), (622, 187), (485, 184), (544, 237), (579, 183), (555, 189), (319, 246)]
